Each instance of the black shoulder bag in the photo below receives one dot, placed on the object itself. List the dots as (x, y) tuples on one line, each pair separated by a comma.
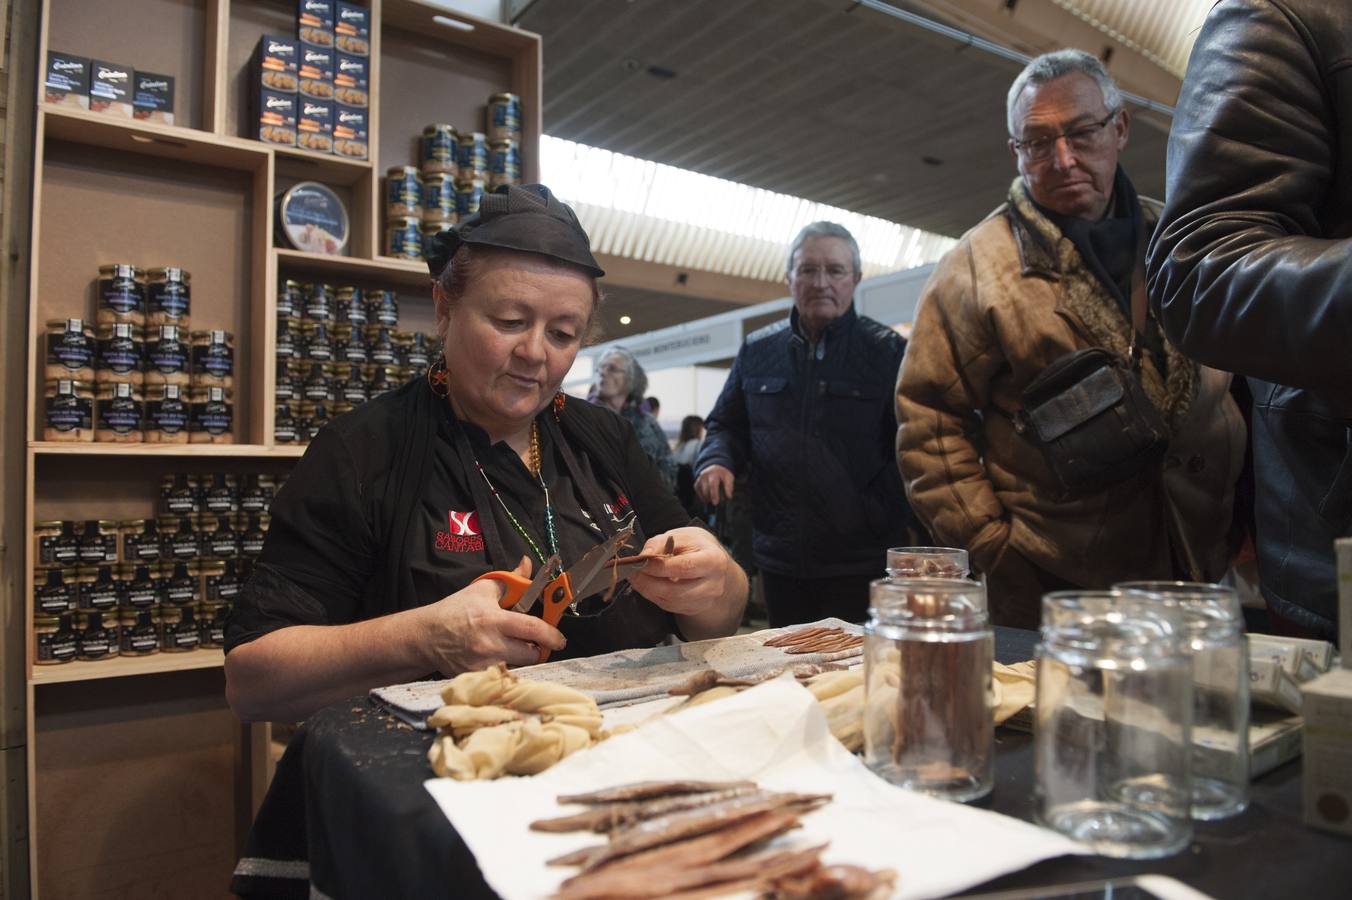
[(1090, 417)]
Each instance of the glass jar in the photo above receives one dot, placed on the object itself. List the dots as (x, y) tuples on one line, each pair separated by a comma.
[(221, 540), (94, 637), (98, 542), (119, 357), (403, 237), (468, 194), (439, 150), (928, 654), (168, 297), (318, 346), (350, 308), (1112, 729), (380, 346), (140, 540), (212, 416), (349, 346), (221, 581), (290, 300), (121, 295), (179, 633), (318, 383), (314, 416), (180, 495), (284, 430), (100, 590), (419, 352), (350, 386), (68, 411), (289, 341), (382, 308), (45, 535), (213, 359), (55, 594), (66, 546), (119, 410), (167, 357), (319, 303), (471, 159), (180, 538), (221, 495), (211, 620), (927, 562), (255, 533), (55, 640), (166, 414), (140, 632), (70, 350), (1213, 636), (144, 588), (182, 584), (255, 493), (382, 379), (290, 378), (438, 204), (403, 191)]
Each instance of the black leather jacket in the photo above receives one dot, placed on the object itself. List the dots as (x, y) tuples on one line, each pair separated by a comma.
[(817, 430), (1251, 267)]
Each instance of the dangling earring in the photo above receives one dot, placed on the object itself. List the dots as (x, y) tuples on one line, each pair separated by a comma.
[(437, 377), (559, 399)]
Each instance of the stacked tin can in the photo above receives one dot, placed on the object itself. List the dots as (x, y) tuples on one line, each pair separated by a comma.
[(139, 374), (504, 139), (106, 587), (336, 349)]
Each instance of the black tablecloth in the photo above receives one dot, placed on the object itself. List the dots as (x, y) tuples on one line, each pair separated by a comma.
[(347, 817)]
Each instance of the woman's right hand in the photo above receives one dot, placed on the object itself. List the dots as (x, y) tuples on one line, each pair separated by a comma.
[(468, 631)]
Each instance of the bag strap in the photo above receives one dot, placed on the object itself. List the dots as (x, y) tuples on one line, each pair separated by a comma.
[(1138, 299)]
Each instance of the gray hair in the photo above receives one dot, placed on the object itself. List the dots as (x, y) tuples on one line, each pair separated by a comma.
[(821, 230), (638, 379), (1054, 65)]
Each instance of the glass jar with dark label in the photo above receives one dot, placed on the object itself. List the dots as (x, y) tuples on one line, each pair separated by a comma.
[(403, 191), (180, 630), (382, 308), (70, 350), (121, 295), (468, 195), (221, 495), (319, 383), (95, 638), (213, 358), (140, 633), (167, 357), (383, 379), (503, 117), (290, 300), (66, 546), (284, 425), (119, 357), (45, 535), (180, 538), (211, 619), (380, 348), (438, 199), (144, 588), (221, 581), (118, 413), (419, 352), (289, 341), (319, 302), (349, 386), (180, 495), (504, 163), (349, 345), (439, 150), (181, 584), (255, 494), (212, 416), (351, 307), (255, 532), (403, 237), (68, 411), (311, 417), (55, 639), (55, 594), (168, 297), (100, 590), (318, 347), (140, 540), (471, 158), (166, 414), (98, 542), (290, 377), (221, 539)]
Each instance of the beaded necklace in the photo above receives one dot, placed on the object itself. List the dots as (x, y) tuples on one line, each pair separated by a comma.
[(551, 535)]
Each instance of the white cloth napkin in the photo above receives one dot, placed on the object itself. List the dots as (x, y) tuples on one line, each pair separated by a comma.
[(776, 735)]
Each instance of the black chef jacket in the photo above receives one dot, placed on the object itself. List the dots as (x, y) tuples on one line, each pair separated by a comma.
[(386, 512)]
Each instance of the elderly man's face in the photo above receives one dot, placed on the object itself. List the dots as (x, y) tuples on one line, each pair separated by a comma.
[(1076, 177), (822, 279)]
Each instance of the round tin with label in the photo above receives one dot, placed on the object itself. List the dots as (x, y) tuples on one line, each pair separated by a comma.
[(312, 218)]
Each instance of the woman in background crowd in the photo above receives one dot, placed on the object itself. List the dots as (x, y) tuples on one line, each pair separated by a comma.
[(687, 448), (620, 383)]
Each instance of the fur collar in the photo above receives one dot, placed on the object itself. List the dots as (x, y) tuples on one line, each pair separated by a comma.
[(1044, 251)]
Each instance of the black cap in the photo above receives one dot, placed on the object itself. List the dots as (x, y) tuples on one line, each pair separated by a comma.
[(525, 217)]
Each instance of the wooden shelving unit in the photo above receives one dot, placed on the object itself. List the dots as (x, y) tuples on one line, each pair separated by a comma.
[(141, 756)]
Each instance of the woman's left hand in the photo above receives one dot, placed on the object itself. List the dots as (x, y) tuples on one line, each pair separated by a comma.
[(699, 582)]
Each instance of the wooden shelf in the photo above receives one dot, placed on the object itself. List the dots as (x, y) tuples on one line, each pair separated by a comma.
[(57, 448), (123, 666), (311, 166), (133, 136), (398, 272)]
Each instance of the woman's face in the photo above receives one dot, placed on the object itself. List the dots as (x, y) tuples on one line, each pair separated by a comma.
[(511, 339), (612, 378)]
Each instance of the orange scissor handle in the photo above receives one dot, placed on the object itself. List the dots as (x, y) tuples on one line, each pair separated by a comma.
[(514, 586)]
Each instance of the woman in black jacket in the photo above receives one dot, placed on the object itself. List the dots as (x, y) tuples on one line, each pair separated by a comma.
[(397, 507)]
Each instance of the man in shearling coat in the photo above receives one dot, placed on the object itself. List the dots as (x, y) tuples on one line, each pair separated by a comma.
[(1048, 273)]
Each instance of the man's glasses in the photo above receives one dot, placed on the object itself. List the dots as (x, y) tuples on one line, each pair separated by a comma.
[(1081, 140), (807, 272)]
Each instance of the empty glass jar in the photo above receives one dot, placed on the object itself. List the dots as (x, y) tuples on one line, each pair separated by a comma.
[(927, 562)]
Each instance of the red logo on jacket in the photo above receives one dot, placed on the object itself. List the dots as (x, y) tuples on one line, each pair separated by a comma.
[(463, 534)]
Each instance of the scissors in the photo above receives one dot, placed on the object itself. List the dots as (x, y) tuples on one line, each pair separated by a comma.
[(587, 576)]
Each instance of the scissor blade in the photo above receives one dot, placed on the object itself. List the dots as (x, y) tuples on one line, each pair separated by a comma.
[(589, 574), (537, 585)]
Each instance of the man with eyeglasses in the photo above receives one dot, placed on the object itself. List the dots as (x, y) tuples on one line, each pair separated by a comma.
[(1049, 273), (807, 410)]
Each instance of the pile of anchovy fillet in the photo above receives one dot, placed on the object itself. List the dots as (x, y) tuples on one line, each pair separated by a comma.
[(693, 839)]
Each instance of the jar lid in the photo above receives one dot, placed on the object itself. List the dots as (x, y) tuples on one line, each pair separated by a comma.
[(46, 524), (313, 219), (120, 270), (68, 385), (214, 336), (120, 330), (438, 126), (469, 137), (68, 325), (170, 273)]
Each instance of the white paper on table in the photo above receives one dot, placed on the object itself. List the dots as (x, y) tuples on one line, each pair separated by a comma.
[(774, 734)]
